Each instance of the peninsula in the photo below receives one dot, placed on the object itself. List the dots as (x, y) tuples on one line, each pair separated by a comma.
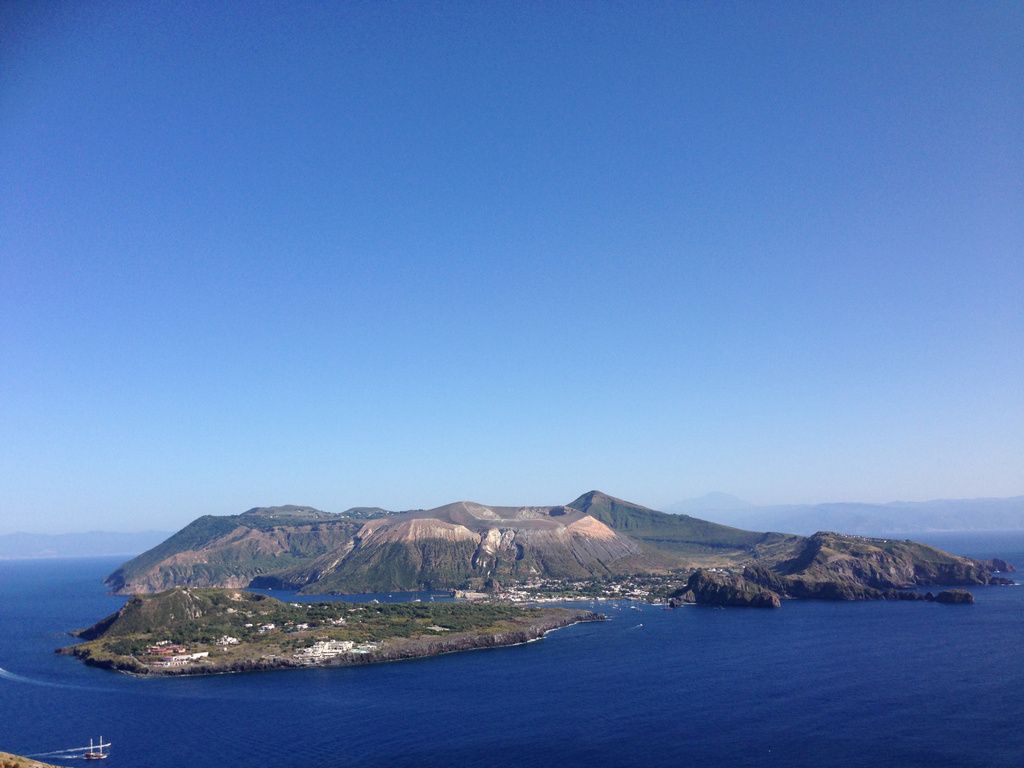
[(186, 631)]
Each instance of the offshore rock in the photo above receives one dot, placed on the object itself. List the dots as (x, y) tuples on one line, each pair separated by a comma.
[(955, 597)]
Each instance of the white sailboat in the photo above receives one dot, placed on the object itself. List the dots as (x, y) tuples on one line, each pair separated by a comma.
[(96, 752)]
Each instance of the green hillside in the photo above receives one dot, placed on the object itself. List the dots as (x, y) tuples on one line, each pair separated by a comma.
[(400, 566), (208, 631), (679, 535), (232, 550)]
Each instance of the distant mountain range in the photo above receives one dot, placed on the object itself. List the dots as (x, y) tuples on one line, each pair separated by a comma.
[(90, 544), (996, 514)]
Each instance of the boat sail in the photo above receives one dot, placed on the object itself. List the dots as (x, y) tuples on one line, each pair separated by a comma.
[(96, 752)]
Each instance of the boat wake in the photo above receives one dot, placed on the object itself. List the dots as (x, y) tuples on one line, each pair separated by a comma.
[(60, 754), (6, 675), (15, 678), (92, 752)]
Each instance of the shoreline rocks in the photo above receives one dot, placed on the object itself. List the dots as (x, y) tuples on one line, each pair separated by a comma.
[(955, 597)]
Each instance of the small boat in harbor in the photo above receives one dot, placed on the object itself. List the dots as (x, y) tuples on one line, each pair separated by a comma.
[(95, 751)]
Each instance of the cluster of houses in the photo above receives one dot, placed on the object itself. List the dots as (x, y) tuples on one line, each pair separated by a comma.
[(165, 648), (468, 594), (288, 627), (168, 654), (554, 590), (323, 650)]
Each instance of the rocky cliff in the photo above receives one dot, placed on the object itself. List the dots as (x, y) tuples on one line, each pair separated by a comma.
[(724, 589)]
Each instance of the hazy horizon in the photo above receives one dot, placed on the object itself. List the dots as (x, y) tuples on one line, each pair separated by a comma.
[(176, 521), (402, 254)]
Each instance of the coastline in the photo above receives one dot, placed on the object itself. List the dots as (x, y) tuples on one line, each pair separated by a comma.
[(392, 650)]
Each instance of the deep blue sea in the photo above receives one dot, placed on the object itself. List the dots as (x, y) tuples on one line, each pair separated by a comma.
[(814, 684)]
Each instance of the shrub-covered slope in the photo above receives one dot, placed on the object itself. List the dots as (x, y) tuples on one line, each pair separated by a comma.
[(233, 550)]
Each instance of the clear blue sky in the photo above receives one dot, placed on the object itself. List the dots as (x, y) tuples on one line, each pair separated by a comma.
[(400, 254)]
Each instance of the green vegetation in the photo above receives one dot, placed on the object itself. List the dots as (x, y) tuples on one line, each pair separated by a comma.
[(236, 549), (676, 534), (234, 630), (194, 535), (191, 616), (397, 566)]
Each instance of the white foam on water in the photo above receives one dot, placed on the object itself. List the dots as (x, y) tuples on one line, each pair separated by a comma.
[(15, 678), (6, 675)]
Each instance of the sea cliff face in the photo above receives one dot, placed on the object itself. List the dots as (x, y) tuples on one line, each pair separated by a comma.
[(234, 550)]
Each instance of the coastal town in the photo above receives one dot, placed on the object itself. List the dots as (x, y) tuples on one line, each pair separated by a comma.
[(164, 654), (648, 588)]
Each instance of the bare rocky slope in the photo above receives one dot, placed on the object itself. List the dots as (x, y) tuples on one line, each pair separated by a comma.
[(8, 760), (466, 544)]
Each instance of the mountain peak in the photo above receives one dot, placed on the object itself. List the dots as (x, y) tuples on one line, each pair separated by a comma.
[(584, 501), (599, 500)]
